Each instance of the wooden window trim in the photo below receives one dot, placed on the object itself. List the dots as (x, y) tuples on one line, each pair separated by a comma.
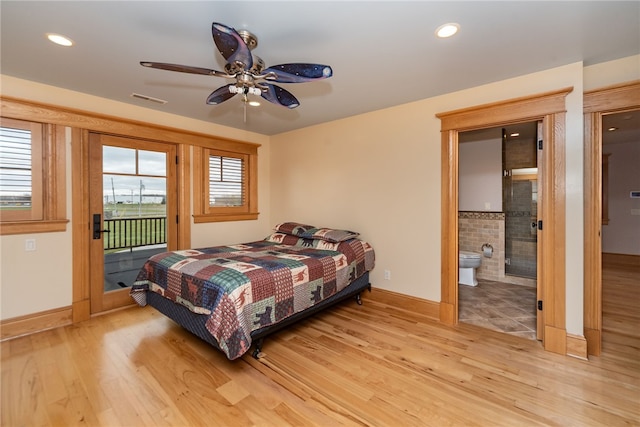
[(202, 212), (48, 214)]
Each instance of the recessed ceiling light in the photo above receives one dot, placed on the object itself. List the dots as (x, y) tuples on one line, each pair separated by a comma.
[(447, 30), (59, 39), (254, 103), (612, 128)]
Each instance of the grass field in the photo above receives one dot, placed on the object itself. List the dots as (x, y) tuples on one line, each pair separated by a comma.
[(131, 210), (131, 225)]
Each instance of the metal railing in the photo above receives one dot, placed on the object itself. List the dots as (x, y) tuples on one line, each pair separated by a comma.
[(127, 233)]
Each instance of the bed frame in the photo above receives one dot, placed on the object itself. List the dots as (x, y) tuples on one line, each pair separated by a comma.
[(195, 323)]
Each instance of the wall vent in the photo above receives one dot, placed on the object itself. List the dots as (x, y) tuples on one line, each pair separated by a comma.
[(148, 98)]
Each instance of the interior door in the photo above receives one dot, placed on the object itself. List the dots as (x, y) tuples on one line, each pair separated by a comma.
[(133, 208)]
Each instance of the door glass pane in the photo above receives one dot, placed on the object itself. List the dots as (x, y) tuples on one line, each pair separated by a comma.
[(134, 212), (118, 160), (152, 163)]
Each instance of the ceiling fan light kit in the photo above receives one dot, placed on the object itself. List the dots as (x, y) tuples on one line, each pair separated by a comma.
[(248, 70)]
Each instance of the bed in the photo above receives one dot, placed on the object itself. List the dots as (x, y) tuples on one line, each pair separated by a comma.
[(234, 296)]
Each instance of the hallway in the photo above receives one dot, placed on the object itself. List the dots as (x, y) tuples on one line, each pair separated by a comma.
[(621, 310)]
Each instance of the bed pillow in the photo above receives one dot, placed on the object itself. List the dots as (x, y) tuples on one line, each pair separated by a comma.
[(294, 228), (329, 234), (290, 239)]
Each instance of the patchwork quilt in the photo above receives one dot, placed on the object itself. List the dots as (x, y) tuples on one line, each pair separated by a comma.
[(248, 286)]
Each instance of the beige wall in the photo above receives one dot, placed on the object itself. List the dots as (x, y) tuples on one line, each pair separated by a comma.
[(31, 282), (612, 73), (622, 234)]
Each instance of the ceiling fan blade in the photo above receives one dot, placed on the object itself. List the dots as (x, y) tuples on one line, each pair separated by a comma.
[(299, 73), (231, 45), (279, 96), (220, 95), (183, 68)]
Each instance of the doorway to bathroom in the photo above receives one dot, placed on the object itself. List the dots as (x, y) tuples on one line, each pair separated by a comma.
[(550, 108), (498, 221)]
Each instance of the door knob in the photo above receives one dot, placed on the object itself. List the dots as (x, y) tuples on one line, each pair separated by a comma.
[(97, 227)]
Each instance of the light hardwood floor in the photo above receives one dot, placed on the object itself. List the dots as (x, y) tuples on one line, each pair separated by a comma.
[(375, 364)]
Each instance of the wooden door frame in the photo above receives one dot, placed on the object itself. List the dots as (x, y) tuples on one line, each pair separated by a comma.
[(550, 108), (597, 103), (102, 301), (81, 306)]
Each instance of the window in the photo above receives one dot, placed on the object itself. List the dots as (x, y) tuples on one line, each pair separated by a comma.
[(31, 177), (225, 185), (226, 181), (20, 170)]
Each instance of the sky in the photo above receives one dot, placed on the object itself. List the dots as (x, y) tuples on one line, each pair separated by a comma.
[(126, 174)]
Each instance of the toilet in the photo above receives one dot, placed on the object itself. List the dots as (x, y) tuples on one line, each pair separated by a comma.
[(467, 264)]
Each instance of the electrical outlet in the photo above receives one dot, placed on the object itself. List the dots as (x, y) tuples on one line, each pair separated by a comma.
[(387, 275), (30, 245)]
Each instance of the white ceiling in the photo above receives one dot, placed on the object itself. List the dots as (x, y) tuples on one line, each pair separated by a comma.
[(383, 53)]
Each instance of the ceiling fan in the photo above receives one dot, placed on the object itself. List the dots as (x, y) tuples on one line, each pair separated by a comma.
[(248, 70)]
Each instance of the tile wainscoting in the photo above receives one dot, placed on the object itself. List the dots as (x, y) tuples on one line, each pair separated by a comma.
[(477, 228)]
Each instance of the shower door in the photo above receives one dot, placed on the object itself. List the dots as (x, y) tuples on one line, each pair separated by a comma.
[(521, 224), (520, 204)]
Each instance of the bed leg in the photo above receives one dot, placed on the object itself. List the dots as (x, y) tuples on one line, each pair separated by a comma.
[(358, 298), (257, 352)]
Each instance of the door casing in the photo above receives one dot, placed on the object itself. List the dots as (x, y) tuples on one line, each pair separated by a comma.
[(550, 109), (597, 103)]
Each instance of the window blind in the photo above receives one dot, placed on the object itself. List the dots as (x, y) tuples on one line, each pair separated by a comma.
[(226, 181), (15, 167)]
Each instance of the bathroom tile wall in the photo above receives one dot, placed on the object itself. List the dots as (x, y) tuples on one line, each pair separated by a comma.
[(477, 228), (520, 153)]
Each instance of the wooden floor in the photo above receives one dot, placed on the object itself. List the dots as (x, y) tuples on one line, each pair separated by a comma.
[(373, 365)]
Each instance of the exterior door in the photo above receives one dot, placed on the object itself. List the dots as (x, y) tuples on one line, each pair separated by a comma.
[(133, 209)]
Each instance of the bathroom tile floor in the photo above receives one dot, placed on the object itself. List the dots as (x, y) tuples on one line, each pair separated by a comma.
[(499, 306)]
